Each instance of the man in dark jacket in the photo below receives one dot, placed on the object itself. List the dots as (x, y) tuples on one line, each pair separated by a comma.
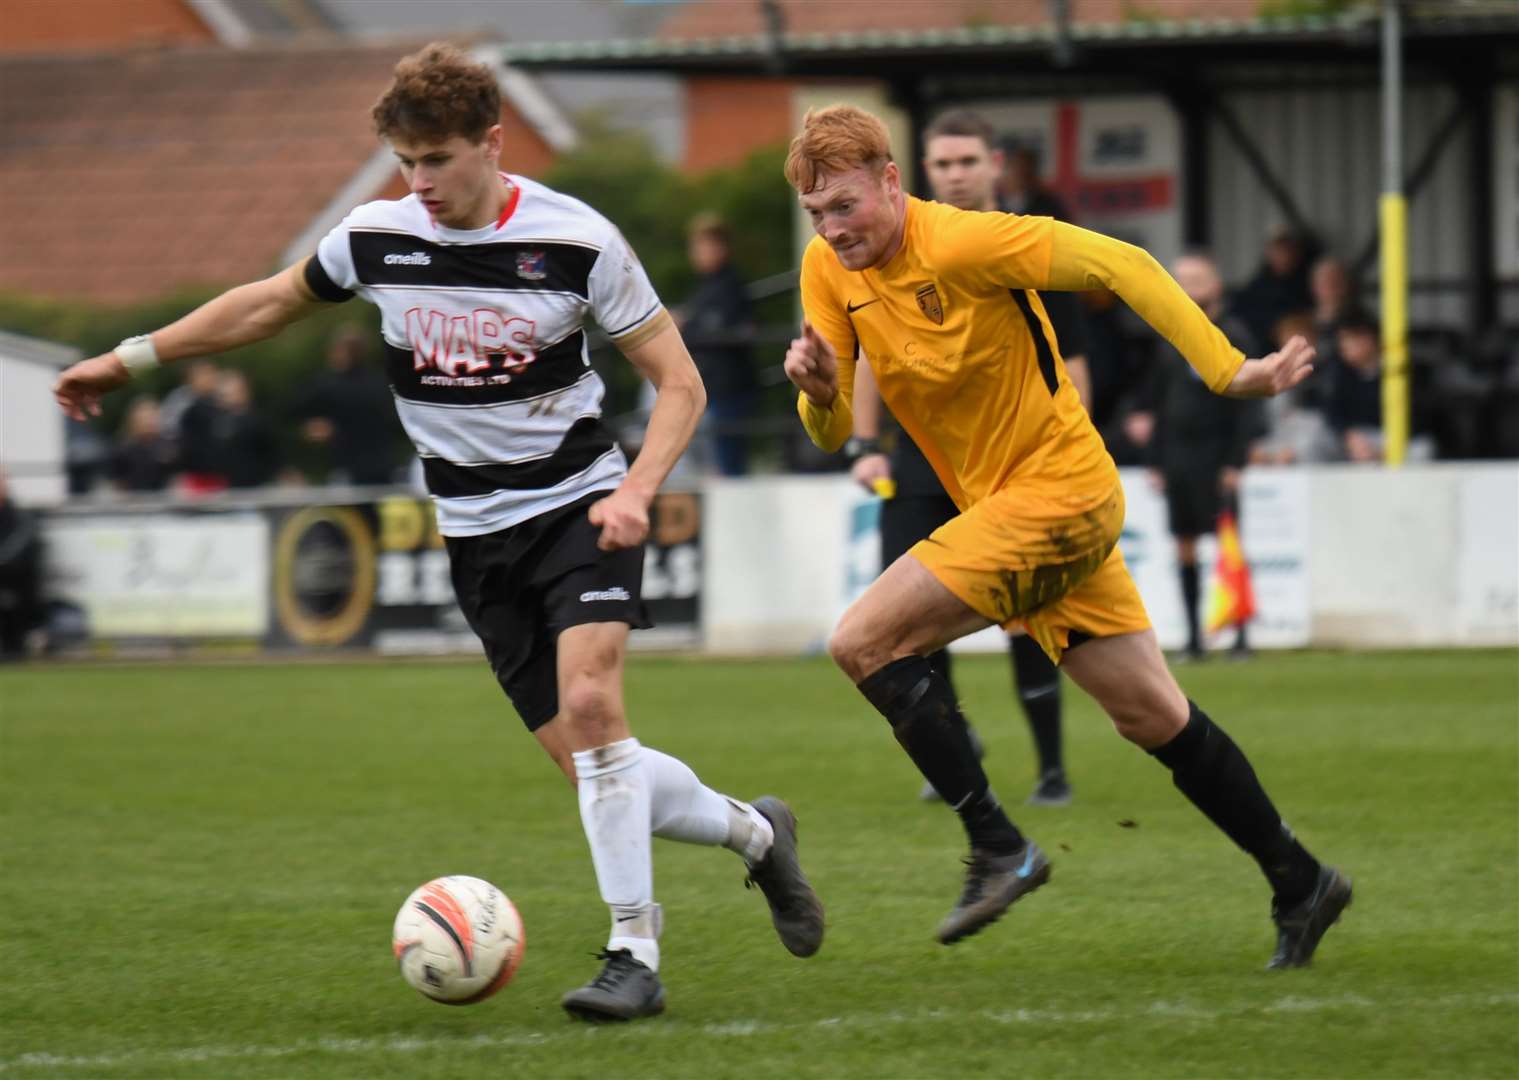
[(1200, 440), (246, 451), (713, 319), (349, 409), (1278, 289)]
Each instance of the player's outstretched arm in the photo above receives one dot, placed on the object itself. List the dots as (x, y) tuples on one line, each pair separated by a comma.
[(1271, 375), (1081, 259), (679, 401), (239, 316)]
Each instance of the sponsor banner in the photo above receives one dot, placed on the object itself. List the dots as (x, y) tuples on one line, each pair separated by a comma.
[(344, 573), (162, 575), (377, 575), (672, 568), (862, 552), (1274, 534), (359, 574)]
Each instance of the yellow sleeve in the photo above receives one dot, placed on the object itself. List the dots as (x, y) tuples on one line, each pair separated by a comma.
[(829, 428), (994, 249), (1081, 259)]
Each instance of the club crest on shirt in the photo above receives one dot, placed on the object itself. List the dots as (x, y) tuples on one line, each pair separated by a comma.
[(532, 265), (928, 303)]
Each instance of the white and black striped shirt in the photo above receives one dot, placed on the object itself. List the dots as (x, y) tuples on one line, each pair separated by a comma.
[(485, 344)]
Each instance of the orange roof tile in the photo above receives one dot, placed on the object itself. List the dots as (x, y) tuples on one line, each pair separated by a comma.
[(718, 18), (39, 26), (129, 174)]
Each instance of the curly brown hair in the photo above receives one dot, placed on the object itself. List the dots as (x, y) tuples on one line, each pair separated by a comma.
[(438, 91)]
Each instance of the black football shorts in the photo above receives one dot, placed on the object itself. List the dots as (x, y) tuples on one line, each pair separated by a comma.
[(521, 587)]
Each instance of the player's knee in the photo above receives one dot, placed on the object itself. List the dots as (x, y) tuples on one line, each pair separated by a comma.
[(590, 707), (842, 645), (1150, 716), (852, 650)]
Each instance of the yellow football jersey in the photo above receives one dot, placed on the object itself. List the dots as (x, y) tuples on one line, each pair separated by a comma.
[(965, 355)]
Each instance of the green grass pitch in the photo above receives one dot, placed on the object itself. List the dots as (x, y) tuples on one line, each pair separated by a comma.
[(201, 863)]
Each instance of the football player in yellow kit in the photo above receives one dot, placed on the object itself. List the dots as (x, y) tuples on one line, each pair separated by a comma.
[(942, 301)]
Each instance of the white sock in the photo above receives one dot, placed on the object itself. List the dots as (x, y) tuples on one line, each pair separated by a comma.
[(614, 809), (683, 808), (637, 930)]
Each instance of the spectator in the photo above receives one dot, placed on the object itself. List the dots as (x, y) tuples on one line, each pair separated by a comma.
[(1200, 441), (145, 458), (1334, 300), (1021, 190), (244, 448), (1278, 289), (1297, 431), (1120, 403), (199, 384), (349, 410), (1355, 407), (20, 574), (86, 455), (190, 414), (715, 315), (1334, 295)]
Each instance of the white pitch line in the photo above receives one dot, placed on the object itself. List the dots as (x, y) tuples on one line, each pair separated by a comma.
[(731, 1029)]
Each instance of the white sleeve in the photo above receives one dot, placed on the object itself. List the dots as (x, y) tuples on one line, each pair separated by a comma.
[(623, 302), (335, 254)]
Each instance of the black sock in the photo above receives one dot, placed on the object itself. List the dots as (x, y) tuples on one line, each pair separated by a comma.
[(1241, 641), (921, 708), (1038, 685), (1213, 772), (941, 664), (1189, 598)]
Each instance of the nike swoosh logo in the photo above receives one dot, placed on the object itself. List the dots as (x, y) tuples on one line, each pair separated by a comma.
[(1028, 864), (625, 918), (852, 308)]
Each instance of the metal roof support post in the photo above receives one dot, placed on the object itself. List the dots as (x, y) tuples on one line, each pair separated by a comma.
[(1394, 230), (1257, 160), (906, 93), (1191, 105), (1477, 100)]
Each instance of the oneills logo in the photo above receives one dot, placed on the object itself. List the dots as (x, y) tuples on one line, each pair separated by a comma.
[(928, 303)]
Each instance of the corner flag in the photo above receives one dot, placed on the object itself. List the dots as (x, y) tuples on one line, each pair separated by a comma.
[(1232, 600)]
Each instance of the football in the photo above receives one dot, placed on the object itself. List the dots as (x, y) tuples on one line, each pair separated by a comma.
[(458, 940)]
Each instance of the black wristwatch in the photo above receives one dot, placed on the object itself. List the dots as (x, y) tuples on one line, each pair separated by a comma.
[(858, 447)]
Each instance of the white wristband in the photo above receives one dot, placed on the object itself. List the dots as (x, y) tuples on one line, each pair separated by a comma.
[(137, 354)]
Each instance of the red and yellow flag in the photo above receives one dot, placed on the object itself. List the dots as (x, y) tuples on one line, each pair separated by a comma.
[(1232, 600)]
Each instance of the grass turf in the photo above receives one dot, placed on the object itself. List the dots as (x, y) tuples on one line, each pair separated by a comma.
[(200, 866)]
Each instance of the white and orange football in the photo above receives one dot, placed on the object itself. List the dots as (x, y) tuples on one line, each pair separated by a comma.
[(458, 940)]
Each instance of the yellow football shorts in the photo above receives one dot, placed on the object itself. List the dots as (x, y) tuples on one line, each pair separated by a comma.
[(1030, 563)]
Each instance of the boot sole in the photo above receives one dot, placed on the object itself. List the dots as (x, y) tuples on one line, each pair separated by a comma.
[(581, 1010)]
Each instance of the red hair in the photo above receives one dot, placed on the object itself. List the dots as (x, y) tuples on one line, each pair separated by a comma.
[(834, 140)]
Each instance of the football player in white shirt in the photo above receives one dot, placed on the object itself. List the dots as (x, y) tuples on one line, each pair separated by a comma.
[(545, 538)]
